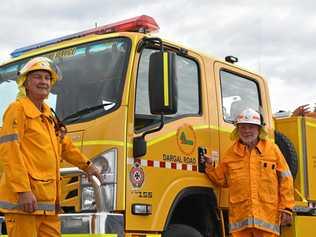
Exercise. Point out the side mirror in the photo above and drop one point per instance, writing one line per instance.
(163, 83)
(139, 146)
(162, 93)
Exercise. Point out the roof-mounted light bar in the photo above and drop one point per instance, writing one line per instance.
(142, 23)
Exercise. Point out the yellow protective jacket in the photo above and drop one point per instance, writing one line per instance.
(31, 152)
(260, 185)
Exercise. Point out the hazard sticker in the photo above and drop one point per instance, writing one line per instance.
(136, 176)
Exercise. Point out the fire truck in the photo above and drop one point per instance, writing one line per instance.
(144, 110)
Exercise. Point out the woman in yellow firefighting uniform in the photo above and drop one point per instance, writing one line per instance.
(260, 184)
(31, 148)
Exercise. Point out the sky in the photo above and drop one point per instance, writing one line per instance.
(274, 38)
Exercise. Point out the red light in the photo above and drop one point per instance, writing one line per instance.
(142, 23)
(137, 24)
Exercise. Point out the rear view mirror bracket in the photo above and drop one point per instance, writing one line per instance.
(140, 144)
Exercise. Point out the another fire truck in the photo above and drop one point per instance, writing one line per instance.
(144, 110)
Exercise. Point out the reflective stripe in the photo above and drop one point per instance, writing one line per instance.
(311, 124)
(254, 222)
(286, 173)
(165, 79)
(40, 206)
(149, 143)
(9, 138)
(99, 142)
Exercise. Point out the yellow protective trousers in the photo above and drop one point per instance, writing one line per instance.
(32, 225)
(253, 232)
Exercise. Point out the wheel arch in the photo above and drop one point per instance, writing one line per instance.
(203, 215)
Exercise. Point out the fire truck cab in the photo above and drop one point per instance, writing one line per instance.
(144, 110)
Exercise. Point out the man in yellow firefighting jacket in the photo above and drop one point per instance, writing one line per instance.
(260, 184)
(31, 148)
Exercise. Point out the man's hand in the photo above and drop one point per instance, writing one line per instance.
(27, 202)
(286, 219)
(301, 110)
(210, 160)
(93, 170)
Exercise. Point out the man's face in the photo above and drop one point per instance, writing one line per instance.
(248, 133)
(38, 84)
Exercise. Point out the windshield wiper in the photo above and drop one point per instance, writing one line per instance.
(77, 115)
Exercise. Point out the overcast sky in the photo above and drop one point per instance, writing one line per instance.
(273, 37)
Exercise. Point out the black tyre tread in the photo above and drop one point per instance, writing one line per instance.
(288, 150)
(180, 230)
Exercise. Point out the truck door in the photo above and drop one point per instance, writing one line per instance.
(171, 161)
(237, 90)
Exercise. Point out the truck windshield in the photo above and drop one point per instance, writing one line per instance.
(92, 74)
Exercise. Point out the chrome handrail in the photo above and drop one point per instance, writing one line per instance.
(98, 187)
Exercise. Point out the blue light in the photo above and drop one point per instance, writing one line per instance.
(22, 50)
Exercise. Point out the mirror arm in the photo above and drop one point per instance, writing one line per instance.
(139, 143)
(162, 123)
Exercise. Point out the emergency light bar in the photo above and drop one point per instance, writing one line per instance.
(141, 23)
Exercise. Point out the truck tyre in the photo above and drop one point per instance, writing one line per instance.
(288, 150)
(179, 230)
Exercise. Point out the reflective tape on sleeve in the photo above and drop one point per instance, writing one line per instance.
(286, 173)
(9, 138)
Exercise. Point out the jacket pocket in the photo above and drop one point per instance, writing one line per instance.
(238, 183)
(268, 185)
(43, 189)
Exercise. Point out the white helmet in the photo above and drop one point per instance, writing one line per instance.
(249, 116)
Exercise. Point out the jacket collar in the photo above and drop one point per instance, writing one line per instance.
(260, 146)
(31, 110)
(240, 149)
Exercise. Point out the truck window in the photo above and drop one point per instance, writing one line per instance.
(188, 90)
(93, 74)
(238, 93)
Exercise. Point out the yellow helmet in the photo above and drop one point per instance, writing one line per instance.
(38, 63)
